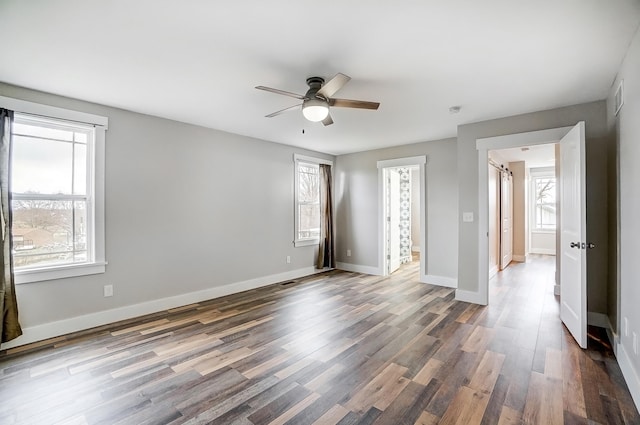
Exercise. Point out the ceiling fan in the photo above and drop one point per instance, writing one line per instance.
(316, 102)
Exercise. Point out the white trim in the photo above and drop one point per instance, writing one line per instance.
(356, 268)
(305, 158)
(59, 272)
(483, 146)
(402, 162)
(79, 323)
(543, 251)
(26, 107)
(629, 373)
(470, 297)
(449, 282)
(520, 258)
(598, 319)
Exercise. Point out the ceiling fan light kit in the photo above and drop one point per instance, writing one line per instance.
(315, 110)
(316, 102)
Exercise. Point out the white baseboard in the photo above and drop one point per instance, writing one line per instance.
(556, 289)
(415, 248)
(449, 282)
(520, 258)
(629, 373)
(543, 251)
(598, 319)
(356, 268)
(100, 318)
(470, 297)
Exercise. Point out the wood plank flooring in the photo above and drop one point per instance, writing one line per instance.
(335, 348)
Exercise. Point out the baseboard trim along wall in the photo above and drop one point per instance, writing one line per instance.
(470, 297)
(100, 318)
(520, 258)
(598, 319)
(629, 373)
(449, 282)
(356, 268)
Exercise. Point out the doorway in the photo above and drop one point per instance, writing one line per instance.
(402, 214)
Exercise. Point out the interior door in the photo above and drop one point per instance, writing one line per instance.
(506, 212)
(393, 219)
(573, 261)
(494, 220)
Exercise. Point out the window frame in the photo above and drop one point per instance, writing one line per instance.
(535, 175)
(95, 200)
(297, 160)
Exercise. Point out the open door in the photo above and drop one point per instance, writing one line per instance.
(573, 260)
(506, 213)
(393, 219)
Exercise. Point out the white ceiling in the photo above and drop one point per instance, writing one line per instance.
(533, 156)
(198, 61)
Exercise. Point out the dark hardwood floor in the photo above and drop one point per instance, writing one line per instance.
(335, 348)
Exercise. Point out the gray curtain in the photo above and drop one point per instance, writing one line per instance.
(9, 327)
(326, 253)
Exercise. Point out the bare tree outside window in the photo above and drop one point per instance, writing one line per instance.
(308, 201)
(545, 207)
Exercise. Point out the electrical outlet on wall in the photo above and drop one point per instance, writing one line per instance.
(348, 253)
(288, 259)
(108, 290)
(635, 343)
(625, 326)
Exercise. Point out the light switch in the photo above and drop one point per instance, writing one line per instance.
(467, 217)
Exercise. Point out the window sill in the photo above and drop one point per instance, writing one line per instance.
(543, 231)
(306, 242)
(59, 272)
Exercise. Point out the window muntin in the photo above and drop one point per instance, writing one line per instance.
(51, 188)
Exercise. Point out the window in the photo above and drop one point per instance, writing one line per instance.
(57, 189)
(544, 190)
(307, 200)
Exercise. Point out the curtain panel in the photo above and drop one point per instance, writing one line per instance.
(326, 251)
(9, 327)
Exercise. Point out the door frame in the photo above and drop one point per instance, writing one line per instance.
(483, 146)
(420, 162)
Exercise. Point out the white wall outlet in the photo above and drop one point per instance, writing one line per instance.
(635, 343)
(288, 259)
(467, 217)
(108, 290)
(625, 326)
(348, 253)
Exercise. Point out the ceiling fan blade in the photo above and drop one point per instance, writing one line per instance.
(333, 85)
(273, 114)
(328, 120)
(277, 91)
(348, 103)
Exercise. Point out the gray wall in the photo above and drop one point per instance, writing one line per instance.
(594, 115)
(357, 205)
(626, 126)
(187, 209)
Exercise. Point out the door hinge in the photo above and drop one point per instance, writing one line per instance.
(388, 257)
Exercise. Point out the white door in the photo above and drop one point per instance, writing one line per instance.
(393, 220)
(506, 211)
(494, 220)
(573, 260)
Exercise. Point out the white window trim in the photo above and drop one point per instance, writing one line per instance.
(100, 124)
(312, 160)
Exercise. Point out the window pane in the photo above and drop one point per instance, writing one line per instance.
(41, 130)
(309, 190)
(47, 232)
(41, 166)
(309, 221)
(80, 169)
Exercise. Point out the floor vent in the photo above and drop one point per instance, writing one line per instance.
(291, 282)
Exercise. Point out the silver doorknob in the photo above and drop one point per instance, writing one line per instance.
(591, 245)
(575, 245)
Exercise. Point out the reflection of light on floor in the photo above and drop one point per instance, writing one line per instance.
(312, 318)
